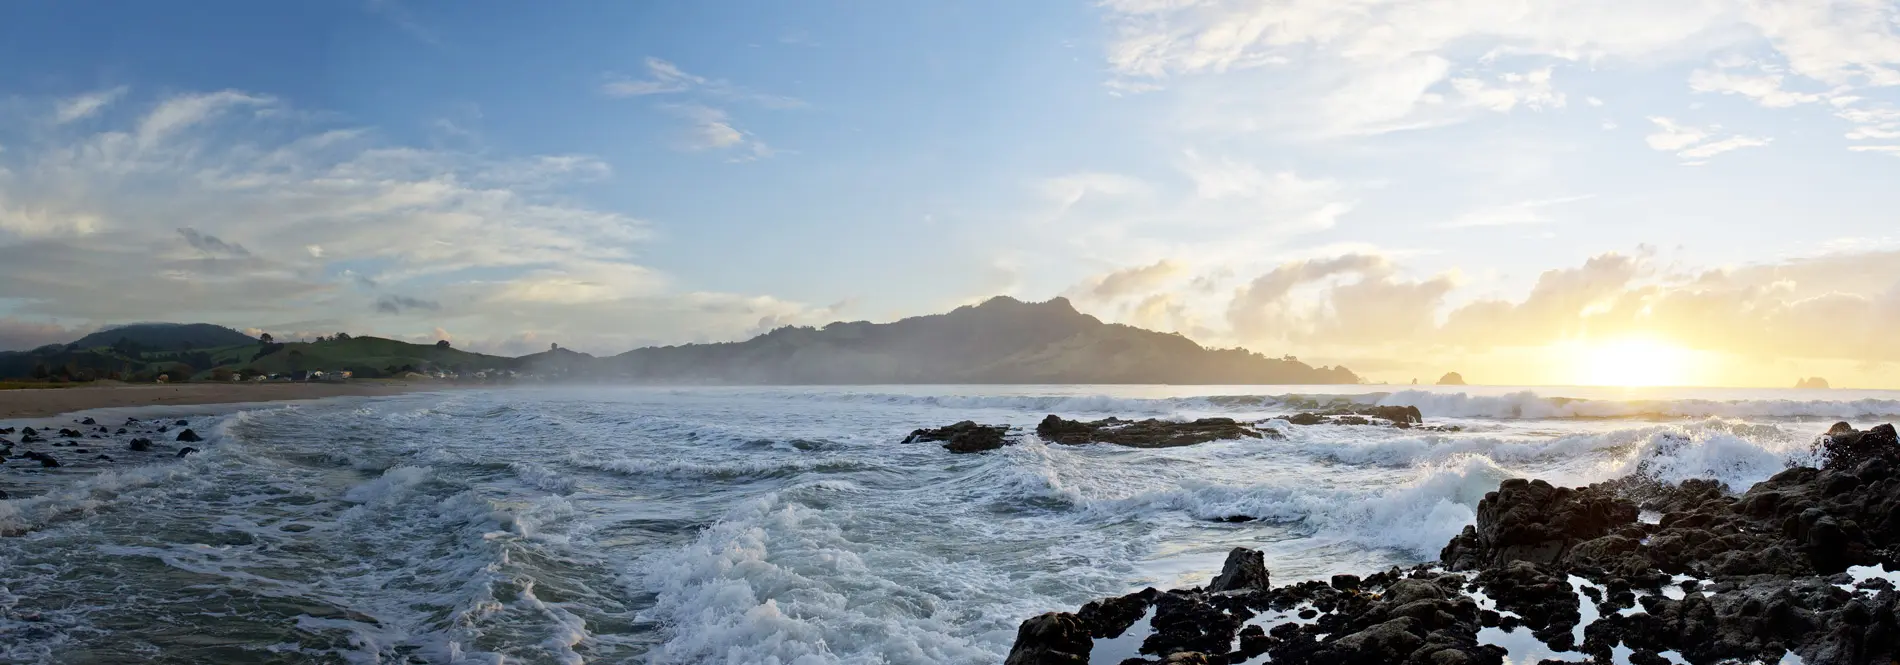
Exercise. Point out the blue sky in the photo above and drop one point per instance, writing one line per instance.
(1473, 181)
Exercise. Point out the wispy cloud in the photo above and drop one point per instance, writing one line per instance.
(86, 105)
(710, 128)
(665, 78)
(1695, 143)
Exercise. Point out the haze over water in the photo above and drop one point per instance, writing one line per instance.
(774, 525)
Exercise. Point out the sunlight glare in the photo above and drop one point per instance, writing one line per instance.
(1633, 362)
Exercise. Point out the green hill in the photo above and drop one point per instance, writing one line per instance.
(367, 357)
(166, 336)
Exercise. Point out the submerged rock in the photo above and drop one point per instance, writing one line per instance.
(1150, 433)
(187, 450)
(964, 437)
(140, 445)
(189, 436)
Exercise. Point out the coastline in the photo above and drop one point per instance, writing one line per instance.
(44, 402)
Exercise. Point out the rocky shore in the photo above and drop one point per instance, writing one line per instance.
(1628, 571)
(90, 445)
(970, 437)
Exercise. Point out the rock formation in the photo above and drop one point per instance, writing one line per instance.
(1717, 577)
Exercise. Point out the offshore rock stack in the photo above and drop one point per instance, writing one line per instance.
(1690, 570)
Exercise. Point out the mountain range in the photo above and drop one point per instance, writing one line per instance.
(1001, 341)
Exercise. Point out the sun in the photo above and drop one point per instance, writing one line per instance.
(1633, 361)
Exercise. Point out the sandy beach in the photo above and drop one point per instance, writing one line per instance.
(36, 403)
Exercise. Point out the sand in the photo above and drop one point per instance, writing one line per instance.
(38, 403)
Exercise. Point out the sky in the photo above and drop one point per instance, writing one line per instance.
(1519, 191)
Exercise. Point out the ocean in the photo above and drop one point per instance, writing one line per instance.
(773, 525)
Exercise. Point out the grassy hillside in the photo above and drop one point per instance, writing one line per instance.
(367, 357)
(166, 337)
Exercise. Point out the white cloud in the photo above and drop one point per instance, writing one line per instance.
(1766, 88)
(84, 106)
(1694, 143)
(194, 212)
(1713, 148)
(1531, 90)
(1382, 65)
(665, 78)
(182, 111)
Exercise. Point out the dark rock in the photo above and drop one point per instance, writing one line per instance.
(120, 431)
(3, 493)
(29, 432)
(102, 456)
(1531, 520)
(964, 437)
(1244, 570)
(89, 421)
(1844, 448)
(181, 423)
(44, 459)
(140, 445)
(1150, 433)
(1055, 638)
(187, 450)
(1110, 617)
(189, 436)
(1187, 622)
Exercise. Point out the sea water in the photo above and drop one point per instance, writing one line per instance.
(773, 525)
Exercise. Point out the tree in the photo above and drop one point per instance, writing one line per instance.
(40, 371)
(442, 344)
(341, 337)
(266, 338)
(553, 347)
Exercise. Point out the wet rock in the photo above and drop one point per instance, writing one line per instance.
(1185, 621)
(102, 457)
(120, 431)
(1150, 433)
(140, 445)
(88, 421)
(189, 436)
(29, 432)
(3, 493)
(1244, 570)
(45, 460)
(964, 437)
(1110, 617)
(1055, 638)
(181, 423)
(1531, 520)
(1844, 447)
(187, 450)
(1361, 414)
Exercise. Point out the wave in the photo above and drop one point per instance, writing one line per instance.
(764, 467)
(1448, 478)
(1512, 406)
(1530, 405)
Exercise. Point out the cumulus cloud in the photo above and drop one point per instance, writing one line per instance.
(1320, 68)
(197, 208)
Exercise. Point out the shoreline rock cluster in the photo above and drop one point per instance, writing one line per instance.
(90, 443)
(969, 436)
(1691, 571)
